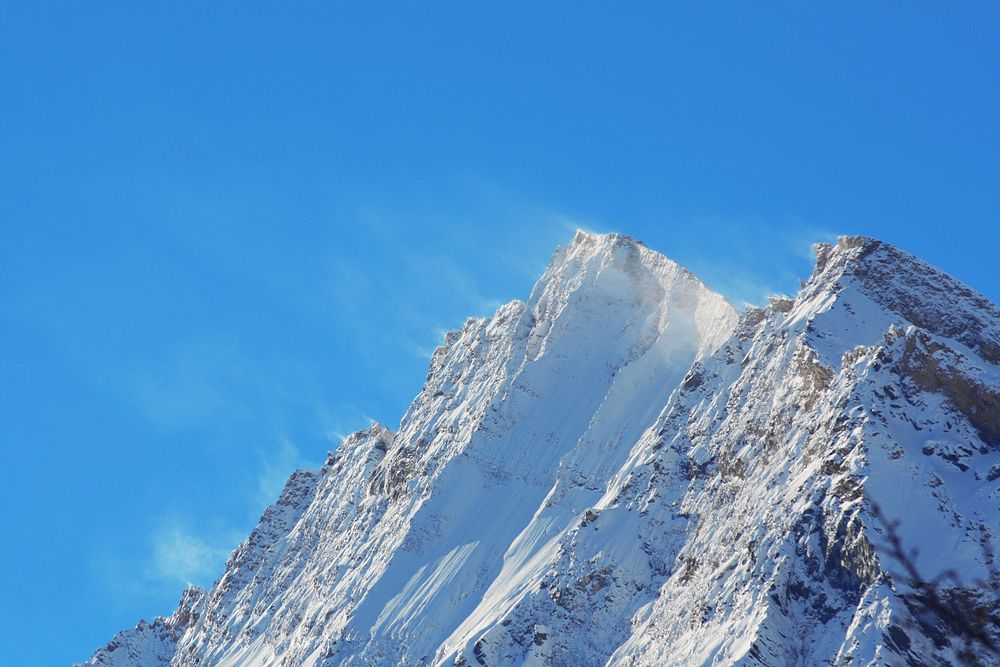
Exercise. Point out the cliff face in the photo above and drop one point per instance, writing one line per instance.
(622, 470)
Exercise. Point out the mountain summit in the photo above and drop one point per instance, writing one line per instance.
(624, 470)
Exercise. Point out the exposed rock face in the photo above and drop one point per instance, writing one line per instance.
(622, 471)
(152, 643)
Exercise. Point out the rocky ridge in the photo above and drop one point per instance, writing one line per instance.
(623, 470)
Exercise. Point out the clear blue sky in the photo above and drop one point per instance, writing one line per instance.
(232, 232)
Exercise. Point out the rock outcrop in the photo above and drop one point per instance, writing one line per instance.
(623, 470)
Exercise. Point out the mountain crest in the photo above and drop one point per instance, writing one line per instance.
(916, 291)
(619, 470)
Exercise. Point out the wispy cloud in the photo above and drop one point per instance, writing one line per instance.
(276, 464)
(748, 260)
(213, 392)
(193, 383)
(423, 285)
(181, 555)
(338, 424)
(213, 383)
(570, 224)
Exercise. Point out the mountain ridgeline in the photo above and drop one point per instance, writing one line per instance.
(625, 470)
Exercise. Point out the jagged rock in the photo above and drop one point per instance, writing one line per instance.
(622, 471)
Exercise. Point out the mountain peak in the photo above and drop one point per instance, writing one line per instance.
(848, 250)
(614, 472)
(598, 275)
(584, 237)
(610, 248)
(911, 288)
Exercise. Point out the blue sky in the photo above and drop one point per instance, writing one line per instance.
(232, 233)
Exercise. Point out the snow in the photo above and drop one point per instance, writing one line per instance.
(622, 470)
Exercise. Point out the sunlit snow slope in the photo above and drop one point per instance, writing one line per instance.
(623, 471)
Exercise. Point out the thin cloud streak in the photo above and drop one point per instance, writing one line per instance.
(742, 259)
(276, 464)
(425, 288)
(180, 555)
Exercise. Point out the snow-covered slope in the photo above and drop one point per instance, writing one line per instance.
(152, 643)
(623, 471)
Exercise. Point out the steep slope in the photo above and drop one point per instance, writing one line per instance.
(620, 472)
(381, 555)
(152, 643)
(741, 530)
(858, 393)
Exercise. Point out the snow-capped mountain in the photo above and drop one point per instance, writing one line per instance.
(624, 470)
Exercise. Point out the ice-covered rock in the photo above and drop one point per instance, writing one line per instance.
(155, 642)
(623, 471)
